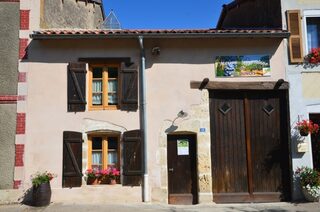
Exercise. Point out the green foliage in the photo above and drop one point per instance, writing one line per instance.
(308, 176)
(40, 178)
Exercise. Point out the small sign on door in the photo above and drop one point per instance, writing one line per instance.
(183, 146)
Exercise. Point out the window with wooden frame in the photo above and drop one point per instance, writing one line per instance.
(103, 86)
(103, 151)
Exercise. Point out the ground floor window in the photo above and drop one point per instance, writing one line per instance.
(103, 152)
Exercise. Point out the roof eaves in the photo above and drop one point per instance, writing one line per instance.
(282, 34)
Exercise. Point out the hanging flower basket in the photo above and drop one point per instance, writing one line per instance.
(303, 133)
(306, 126)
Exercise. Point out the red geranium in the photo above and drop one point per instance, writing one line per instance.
(307, 126)
(314, 56)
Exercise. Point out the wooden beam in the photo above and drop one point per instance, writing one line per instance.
(264, 85)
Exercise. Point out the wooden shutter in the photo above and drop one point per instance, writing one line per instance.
(76, 87)
(295, 39)
(129, 87)
(132, 158)
(72, 159)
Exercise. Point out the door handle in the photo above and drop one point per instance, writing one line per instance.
(170, 169)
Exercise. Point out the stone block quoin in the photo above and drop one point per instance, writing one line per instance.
(21, 123)
(22, 77)
(24, 19)
(23, 48)
(19, 155)
(16, 184)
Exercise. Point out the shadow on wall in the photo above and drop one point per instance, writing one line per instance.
(182, 51)
(295, 140)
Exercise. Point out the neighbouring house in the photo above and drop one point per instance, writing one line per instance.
(9, 52)
(188, 116)
(302, 19)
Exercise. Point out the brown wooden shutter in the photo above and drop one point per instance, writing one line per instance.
(72, 159)
(132, 158)
(76, 87)
(295, 39)
(129, 87)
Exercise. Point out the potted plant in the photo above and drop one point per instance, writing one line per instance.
(113, 175)
(104, 176)
(306, 126)
(310, 183)
(92, 176)
(41, 190)
(313, 57)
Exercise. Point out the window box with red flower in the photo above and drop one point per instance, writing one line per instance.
(313, 57)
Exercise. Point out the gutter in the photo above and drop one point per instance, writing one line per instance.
(143, 121)
(159, 35)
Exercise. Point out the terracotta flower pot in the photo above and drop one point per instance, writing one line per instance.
(104, 180)
(113, 181)
(92, 181)
(41, 195)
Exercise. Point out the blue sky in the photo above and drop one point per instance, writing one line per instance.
(166, 14)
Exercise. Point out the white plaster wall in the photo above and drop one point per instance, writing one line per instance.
(299, 104)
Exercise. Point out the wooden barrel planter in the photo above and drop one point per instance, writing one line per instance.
(41, 195)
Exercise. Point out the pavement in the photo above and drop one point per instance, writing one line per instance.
(147, 207)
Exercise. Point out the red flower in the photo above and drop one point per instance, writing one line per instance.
(314, 56)
(308, 126)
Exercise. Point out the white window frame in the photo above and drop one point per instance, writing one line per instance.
(308, 14)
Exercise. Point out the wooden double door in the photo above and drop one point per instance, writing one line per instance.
(249, 146)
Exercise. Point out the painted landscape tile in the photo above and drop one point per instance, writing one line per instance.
(243, 66)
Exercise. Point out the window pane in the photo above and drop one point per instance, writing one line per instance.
(313, 32)
(113, 72)
(97, 157)
(96, 143)
(112, 85)
(97, 86)
(112, 157)
(97, 99)
(112, 143)
(112, 99)
(97, 72)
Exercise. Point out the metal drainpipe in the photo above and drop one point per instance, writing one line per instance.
(143, 121)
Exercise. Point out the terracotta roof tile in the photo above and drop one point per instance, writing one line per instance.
(162, 32)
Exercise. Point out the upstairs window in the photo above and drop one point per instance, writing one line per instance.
(110, 86)
(103, 87)
(313, 32)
